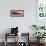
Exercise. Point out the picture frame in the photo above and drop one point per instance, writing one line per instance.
(17, 13)
(41, 8)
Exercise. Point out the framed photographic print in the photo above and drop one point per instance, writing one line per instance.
(41, 8)
(17, 13)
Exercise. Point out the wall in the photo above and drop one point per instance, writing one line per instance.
(24, 23)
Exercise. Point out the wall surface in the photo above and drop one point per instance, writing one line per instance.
(24, 23)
